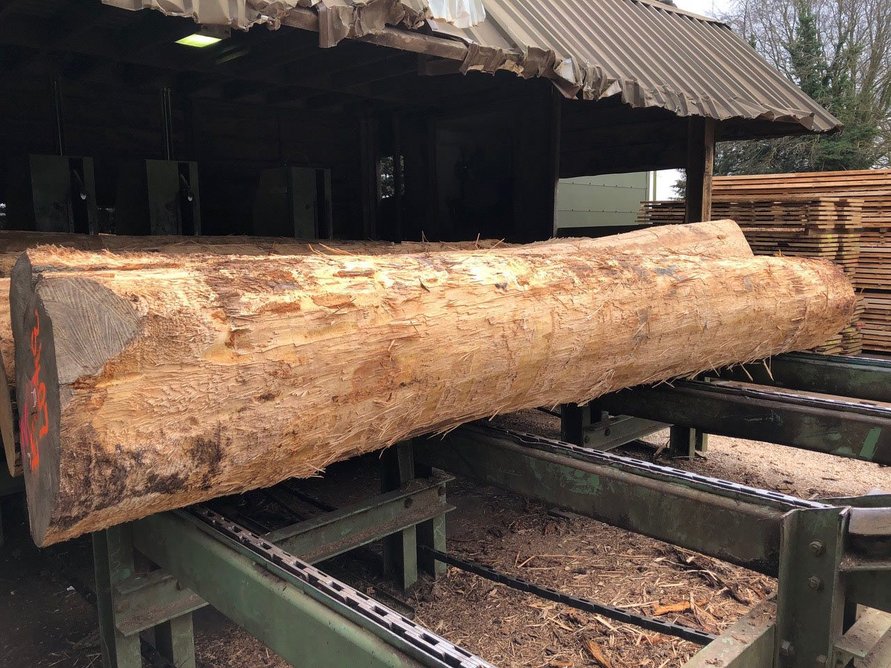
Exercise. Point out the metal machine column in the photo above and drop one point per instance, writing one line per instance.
(113, 563)
(130, 603)
(400, 555)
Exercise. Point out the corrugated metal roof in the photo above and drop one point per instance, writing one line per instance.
(647, 53)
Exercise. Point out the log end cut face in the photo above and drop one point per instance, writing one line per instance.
(71, 327)
(38, 401)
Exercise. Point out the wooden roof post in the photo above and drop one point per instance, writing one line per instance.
(700, 166)
(556, 112)
(368, 174)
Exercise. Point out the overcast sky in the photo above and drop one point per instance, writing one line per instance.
(707, 7)
(666, 178)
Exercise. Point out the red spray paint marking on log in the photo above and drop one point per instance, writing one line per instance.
(34, 420)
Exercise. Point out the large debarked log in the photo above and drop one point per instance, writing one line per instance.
(13, 243)
(153, 388)
(721, 238)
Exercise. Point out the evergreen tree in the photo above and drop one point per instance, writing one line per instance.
(839, 53)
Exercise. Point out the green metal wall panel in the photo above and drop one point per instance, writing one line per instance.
(609, 199)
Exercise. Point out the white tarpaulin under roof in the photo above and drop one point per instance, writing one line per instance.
(245, 13)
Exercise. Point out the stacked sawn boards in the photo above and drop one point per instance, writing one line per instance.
(872, 188)
(842, 216)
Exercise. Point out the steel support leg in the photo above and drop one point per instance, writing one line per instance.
(113, 563)
(281, 610)
(175, 641)
(748, 643)
(685, 442)
(811, 594)
(400, 550)
(572, 423)
(432, 534)
(129, 604)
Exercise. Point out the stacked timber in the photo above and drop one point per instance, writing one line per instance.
(877, 320)
(828, 228)
(150, 382)
(712, 238)
(873, 188)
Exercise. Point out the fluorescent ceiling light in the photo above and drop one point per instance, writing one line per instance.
(205, 36)
(198, 40)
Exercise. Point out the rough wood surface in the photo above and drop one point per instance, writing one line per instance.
(721, 237)
(191, 377)
(827, 228)
(12, 243)
(862, 247)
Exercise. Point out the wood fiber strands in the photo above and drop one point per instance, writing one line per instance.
(717, 238)
(153, 388)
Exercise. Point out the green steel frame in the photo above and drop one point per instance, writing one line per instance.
(594, 428)
(183, 569)
(859, 430)
(827, 557)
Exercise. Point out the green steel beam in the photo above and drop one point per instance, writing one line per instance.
(347, 528)
(610, 432)
(859, 432)
(175, 641)
(867, 642)
(400, 549)
(156, 599)
(869, 588)
(143, 601)
(804, 545)
(432, 533)
(598, 430)
(299, 628)
(659, 508)
(856, 377)
(589, 426)
(749, 643)
(686, 442)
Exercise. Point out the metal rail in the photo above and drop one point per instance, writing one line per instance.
(398, 631)
(855, 428)
(650, 469)
(857, 377)
(826, 555)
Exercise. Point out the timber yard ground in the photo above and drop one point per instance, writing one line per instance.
(48, 616)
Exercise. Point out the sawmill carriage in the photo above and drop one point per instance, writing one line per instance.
(391, 122)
